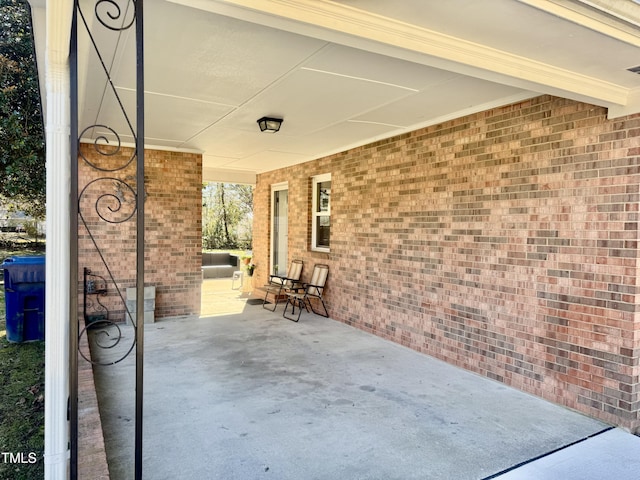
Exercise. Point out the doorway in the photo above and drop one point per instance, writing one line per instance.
(279, 228)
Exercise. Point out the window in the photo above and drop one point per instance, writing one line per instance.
(321, 221)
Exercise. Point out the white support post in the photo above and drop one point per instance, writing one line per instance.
(57, 281)
(56, 103)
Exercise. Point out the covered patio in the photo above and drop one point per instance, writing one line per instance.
(472, 184)
(247, 394)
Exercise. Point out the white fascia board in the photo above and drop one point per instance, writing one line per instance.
(350, 26)
(631, 107)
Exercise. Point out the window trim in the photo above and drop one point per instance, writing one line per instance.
(317, 179)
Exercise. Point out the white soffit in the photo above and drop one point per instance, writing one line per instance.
(373, 30)
(344, 73)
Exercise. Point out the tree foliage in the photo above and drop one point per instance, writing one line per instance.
(22, 151)
(227, 216)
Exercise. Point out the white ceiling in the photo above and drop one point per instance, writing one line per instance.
(345, 73)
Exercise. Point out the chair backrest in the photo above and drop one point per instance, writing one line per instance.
(295, 271)
(318, 279)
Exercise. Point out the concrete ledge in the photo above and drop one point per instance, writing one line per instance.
(92, 456)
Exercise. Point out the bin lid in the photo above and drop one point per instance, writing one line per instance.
(24, 269)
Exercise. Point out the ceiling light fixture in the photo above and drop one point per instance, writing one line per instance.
(269, 125)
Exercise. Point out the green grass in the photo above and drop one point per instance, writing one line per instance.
(21, 400)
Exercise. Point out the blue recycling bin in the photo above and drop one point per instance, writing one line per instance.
(24, 298)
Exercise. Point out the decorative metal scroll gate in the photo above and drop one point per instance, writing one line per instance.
(113, 197)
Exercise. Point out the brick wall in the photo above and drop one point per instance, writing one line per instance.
(504, 242)
(173, 225)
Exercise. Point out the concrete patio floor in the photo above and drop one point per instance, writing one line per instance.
(247, 394)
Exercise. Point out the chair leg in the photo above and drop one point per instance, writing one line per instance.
(324, 307)
(292, 301)
(286, 306)
(275, 300)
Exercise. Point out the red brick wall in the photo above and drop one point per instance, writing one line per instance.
(505, 242)
(173, 226)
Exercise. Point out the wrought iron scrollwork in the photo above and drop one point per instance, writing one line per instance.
(106, 149)
(109, 13)
(108, 199)
(109, 205)
(107, 333)
(113, 203)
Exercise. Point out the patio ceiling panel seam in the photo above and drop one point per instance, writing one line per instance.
(297, 67)
(462, 54)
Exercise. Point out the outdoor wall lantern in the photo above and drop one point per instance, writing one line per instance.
(269, 125)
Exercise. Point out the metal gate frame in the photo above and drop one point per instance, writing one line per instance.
(112, 16)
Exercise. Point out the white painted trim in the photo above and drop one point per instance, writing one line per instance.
(147, 146)
(57, 289)
(631, 107)
(276, 187)
(211, 174)
(344, 24)
(608, 18)
(280, 186)
(325, 177)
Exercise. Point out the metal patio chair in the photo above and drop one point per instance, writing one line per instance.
(278, 284)
(307, 294)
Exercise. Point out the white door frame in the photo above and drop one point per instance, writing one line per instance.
(277, 187)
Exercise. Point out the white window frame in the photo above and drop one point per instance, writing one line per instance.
(315, 213)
